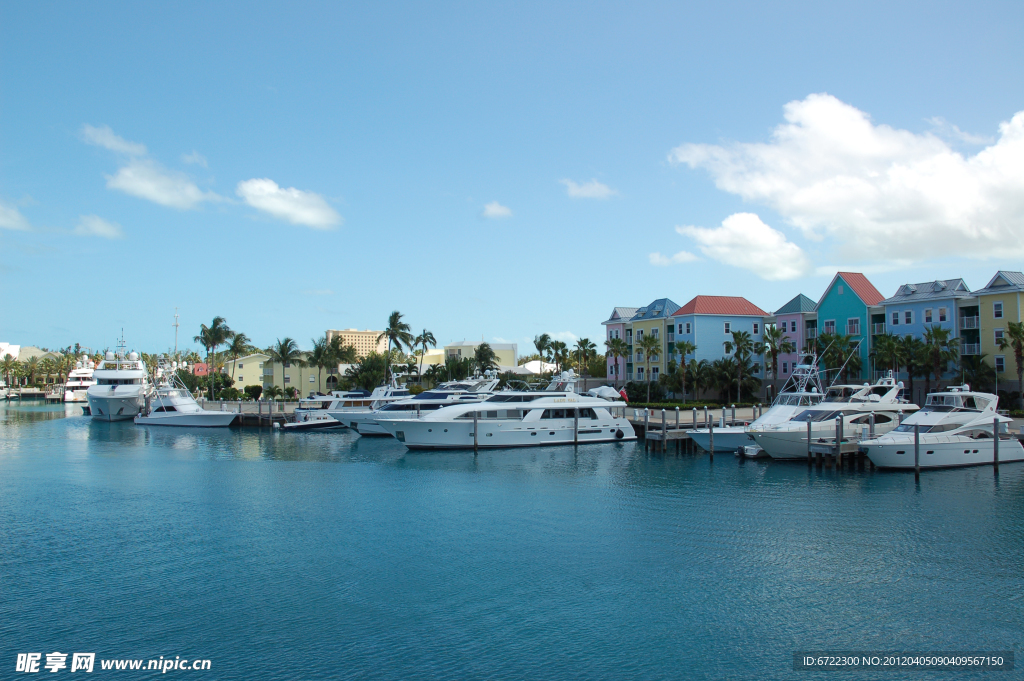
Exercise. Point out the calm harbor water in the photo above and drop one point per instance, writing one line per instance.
(329, 556)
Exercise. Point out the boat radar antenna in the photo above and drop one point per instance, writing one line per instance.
(175, 325)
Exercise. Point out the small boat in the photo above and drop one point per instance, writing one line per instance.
(308, 422)
(172, 404)
(341, 404)
(955, 427)
(455, 392)
(80, 379)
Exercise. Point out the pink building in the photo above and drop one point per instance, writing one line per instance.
(799, 321)
(615, 327)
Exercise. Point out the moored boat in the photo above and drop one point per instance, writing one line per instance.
(122, 386)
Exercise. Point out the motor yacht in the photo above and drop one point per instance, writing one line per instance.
(955, 428)
(803, 389)
(512, 418)
(879, 406)
(455, 392)
(341, 404)
(80, 379)
(171, 404)
(122, 386)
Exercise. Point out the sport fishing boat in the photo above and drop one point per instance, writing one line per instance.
(446, 394)
(879, 407)
(956, 427)
(171, 404)
(802, 390)
(341, 404)
(80, 379)
(557, 415)
(122, 386)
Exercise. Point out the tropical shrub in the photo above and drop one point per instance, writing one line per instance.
(253, 392)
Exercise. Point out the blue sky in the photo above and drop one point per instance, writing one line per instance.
(491, 170)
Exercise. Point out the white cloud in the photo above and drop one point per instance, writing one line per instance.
(11, 218)
(105, 137)
(666, 260)
(946, 130)
(588, 190)
(195, 158)
(93, 225)
(288, 203)
(879, 192)
(149, 180)
(567, 337)
(744, 241)
(495, 210)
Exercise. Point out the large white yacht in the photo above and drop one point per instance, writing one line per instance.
(455, 392)
(956, 429)
(171, 404)
(341, 404)
(556, 415)
(80, 379)
(855, 403)
(122, 385)
(803, 389)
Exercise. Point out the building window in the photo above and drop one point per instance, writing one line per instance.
(639, 356)
(241, 378)
(654, 358)
(654, 373)
(895, 318)
(654, 333)
(792, 326)
(998, 335)
(287, 378)
(616, 332)
(942, 314)
(240, 365)
(928, 316)
(829, 326)
(728, 327)
(840, 289)
(261, 365)
(1000, 363)
(312, 379)
(680, 330)
(640, 374)
(853, 326)
(687, 327)
(785, 367)
(757, 328)
(639, 335)
(629, 336)
(997, 310)
(908, 316)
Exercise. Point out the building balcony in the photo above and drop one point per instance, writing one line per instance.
(970, 349)
(878, 328)
(811, 332)
(853, 329)
(970, 322)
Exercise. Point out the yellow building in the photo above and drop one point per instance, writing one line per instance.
(246, 370)
(999, 303)
(364, 342)
(306, 379)
(653, 320)
(507, 354)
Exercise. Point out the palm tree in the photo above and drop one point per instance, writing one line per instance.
(285, 351)
(272, 392)
(8, 366)
(559, 354)
(941, 351)
(741, 346)
(585, 350)
(649, 345)
(543, 345)
(239, 347)
(320, 357)
(911, 356)
(397, 332)
(776, 343)
(423, 340)
(700, 375)
(1014, 338)
(617, 348)
(885, 351)
(975, 372)
(341, 353)
(684, 348)
(31, 366)
(720, 375)
(211, 337)
(48, 367)
(484, 357)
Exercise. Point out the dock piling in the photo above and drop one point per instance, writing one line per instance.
(809, 458)
(476, 430)
(917, 451)
(711, 436)
(575, 426)
(647, 425)
(995, 443)
(732, 416)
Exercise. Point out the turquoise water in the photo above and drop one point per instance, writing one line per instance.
(328, 556)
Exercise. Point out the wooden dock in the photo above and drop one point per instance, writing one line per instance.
(660, 427)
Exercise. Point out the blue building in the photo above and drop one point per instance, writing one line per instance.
(708, 323)
(844, 309)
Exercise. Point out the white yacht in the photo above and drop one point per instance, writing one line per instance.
(80, 380)
(171, 404)
(956, 429)
(446, 394)
(342, 404)
(858, 405)
(122, 386)
(556, 415)
(802, 390)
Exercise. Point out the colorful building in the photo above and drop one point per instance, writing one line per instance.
(798, 322)
(844, 309)
(999, 303)
(653, 320)
(506, 354)
(615, 327)
(709, 322)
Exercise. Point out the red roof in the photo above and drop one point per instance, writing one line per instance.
(864, 289)
(724, 305)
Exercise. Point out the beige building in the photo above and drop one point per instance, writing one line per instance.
(302, 378)
(507, 353)
(246, 370)
(364, 342)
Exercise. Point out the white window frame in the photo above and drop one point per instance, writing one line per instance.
(908, 316)
(850, 322)
(785, 367)
(654, 373)
(943, 314)
(998, 335)
(757, 327)
(895, 318)
(287, 378)
(997, 310)
(1000, 363)
(654, 334)
(728, 327)
(639, 335)
(241, 378)
(687, 328)
(829, 323)
(927, 315)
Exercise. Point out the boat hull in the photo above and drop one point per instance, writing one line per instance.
(116, 406)
(204, 419)
(79, 395)
(951, 452)
(726, 439)
(417, 434)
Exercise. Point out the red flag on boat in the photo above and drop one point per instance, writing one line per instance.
(624, 397)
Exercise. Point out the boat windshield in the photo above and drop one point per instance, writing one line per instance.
(432, 395)
(842, 394)
(515, 398)
(815, 415)
(937, 428)
(799, 399)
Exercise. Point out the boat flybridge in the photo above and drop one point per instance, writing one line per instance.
(513, 418)
(454, 392)
(955, 427)
(880, 404)
(803, 389)
(122, 386)
(80, 379)
(341, 404)
(171, 404)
